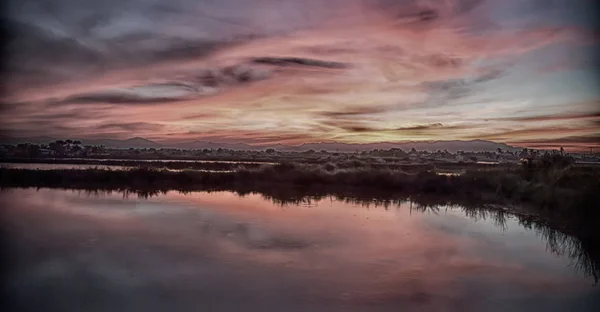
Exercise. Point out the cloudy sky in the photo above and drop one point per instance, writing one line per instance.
(291, 71)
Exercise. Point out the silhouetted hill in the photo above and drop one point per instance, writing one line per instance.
(213, 145)
(451, 146)
(137, 142)
(32, 140)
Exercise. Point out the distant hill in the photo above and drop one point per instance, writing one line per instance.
(451, 146)
(213, 145)
(137, 142)
(33, 140)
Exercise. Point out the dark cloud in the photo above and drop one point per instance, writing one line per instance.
(202, 83)
(34, 56)
(39, 57)
(199, 116)
(33, 62)
(327, 49)
(431, 129)
(447, 91)
(30, 45)
(423, 129)
(441, 61)
(188, 49)
(512, 135)
(230, 75)
(404, 10)
(53, 117)
(589, 139)
(583, 116)
(415, 12)
(9, 107)
(289, 61)
(56, 41)
(49, 42)
(466, 6)
(131, 126)
(115, 98)
(428, 15)
(353, 112)
(360, 129)
(490, 75)
(103, 35)
(56, 127)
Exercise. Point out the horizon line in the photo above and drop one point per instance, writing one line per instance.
(162, 143)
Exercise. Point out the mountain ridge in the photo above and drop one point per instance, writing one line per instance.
(139, 142)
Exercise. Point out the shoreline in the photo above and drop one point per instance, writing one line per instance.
(564, 199)
(227, 164)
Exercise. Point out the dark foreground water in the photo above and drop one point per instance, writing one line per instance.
(72, 251)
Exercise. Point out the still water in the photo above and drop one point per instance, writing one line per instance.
(40, 166)
(36, 166)
(78, 251)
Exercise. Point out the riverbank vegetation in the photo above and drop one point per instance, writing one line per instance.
(554, 190)
(547, 193)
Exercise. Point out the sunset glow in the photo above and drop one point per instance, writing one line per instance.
(292, 72)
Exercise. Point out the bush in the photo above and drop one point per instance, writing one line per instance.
(330, 167)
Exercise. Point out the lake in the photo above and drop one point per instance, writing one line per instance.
(94, 251)
(41, 166)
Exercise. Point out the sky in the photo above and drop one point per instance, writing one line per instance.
(264, 72)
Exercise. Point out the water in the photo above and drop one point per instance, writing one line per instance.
(449, 174)
(78, 251)
(36, 166)
(128, 164)
(169, 160)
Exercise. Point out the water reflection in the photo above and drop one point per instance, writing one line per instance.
(584, 253)
(226, 251)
